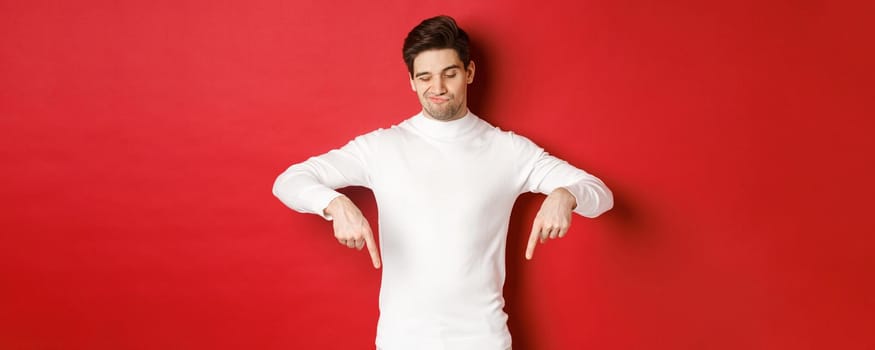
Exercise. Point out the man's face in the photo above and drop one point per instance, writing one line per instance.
(441, 83)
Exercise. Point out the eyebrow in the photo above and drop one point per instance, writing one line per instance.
(442, 70)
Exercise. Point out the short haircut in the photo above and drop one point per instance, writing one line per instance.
(436, 33)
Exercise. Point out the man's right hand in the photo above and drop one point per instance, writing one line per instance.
(351, 228)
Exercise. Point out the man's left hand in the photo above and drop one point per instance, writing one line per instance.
(553, 219)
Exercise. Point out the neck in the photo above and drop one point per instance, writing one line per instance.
(444, 129)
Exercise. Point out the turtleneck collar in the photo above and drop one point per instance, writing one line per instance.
(444, 129)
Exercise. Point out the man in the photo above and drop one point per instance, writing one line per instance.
(445, 182)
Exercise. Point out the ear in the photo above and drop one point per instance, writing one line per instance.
(470, 72)
(412, 84)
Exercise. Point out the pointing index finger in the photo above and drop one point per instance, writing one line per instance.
(533, 241)
(372, 248)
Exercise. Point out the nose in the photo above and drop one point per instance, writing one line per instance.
(438, 86)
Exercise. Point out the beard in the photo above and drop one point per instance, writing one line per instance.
(445, 111)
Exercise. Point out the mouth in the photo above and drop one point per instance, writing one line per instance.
(438, 100)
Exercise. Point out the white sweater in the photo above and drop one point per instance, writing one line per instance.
(444, 193)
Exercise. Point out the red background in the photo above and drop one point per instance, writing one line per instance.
(139, 142)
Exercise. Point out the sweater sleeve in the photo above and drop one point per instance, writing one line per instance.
(309, 186)
(548, 173)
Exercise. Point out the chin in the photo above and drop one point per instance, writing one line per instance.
(442, 114)
(437, 114)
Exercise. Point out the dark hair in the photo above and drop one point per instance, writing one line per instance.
(439, 32)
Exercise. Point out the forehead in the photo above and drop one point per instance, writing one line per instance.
(434, 61)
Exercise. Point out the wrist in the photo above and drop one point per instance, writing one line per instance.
(566, 197)
(335, 206)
